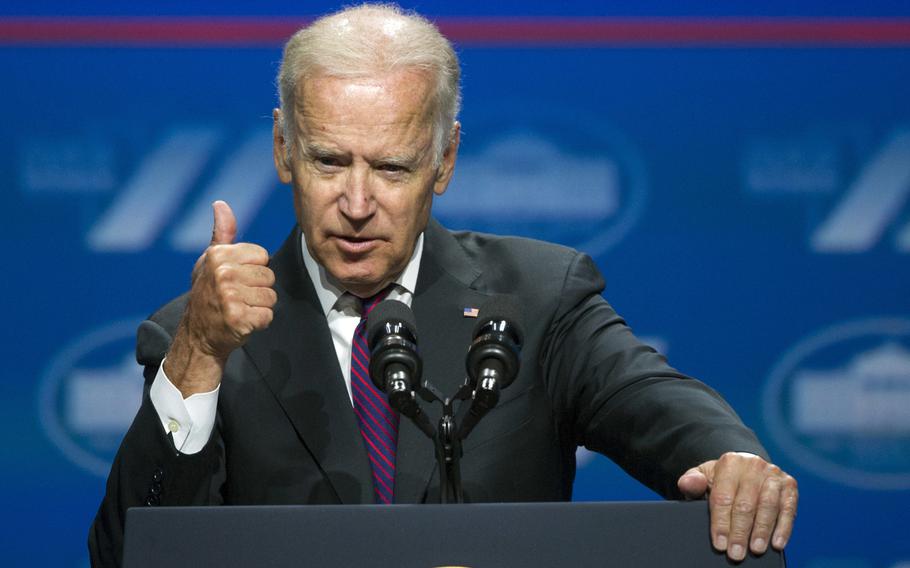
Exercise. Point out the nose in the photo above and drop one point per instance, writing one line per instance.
(357, 201)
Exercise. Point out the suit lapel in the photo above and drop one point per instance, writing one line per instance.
(296, 358)
(443, 291)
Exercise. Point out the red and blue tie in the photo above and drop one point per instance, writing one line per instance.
(378, 422)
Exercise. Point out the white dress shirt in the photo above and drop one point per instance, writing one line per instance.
(191, 420)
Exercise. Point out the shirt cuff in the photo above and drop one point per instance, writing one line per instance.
(189, 420)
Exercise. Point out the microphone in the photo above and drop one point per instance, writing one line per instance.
(395, 366)
(493, 358)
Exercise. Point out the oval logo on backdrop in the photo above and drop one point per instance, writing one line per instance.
(839, 403)
(90, 393)
(568, 179)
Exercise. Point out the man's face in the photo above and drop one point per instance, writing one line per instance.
(363, 172)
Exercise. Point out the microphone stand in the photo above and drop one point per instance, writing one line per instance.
(446, 439)
(493, 356)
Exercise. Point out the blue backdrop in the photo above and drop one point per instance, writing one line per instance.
(740, 173)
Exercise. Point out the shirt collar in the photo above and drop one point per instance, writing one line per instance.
(328, 290)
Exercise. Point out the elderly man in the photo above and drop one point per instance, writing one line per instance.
(261, 399)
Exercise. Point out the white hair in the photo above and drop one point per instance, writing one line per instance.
(366, 40)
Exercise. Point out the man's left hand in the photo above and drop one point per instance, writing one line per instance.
(752, 502)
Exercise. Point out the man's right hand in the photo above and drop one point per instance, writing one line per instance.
(230, 298)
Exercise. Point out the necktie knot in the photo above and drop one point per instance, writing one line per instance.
(368, 304)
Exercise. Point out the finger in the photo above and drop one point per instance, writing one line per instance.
(253, 275)
(231, 274)
(260, 318)
(253, 296)
(720, 501)
(242, 320)
(745, 505)
(224, 227)
(789, 498)
(693, 484)
(242, 253)
(766, 515)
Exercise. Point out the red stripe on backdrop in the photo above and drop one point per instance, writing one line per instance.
(605, 32)
(684, 31)
(151, 32)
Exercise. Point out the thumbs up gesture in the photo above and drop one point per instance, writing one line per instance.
(230, 298)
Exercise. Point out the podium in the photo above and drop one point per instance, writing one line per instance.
(626, 534)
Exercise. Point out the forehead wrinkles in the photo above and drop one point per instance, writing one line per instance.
(338, 105)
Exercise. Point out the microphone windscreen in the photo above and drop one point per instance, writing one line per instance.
(389, 311)
(500, 308)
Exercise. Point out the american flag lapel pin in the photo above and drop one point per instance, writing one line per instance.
(471, 312)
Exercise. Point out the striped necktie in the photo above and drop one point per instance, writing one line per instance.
(378, 422)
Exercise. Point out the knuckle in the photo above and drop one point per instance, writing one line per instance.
(762, 527)
(255, 298)
(768, 500)
(226, 297)
(259, 318)
(215, 254)
(744, 507)
(721, 499)
(772, 485)
(232, 315)
(227, 293)
(222, 272)
(756, 464)
(741, 526)
(789, 506)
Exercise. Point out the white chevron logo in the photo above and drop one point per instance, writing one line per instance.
(872, 203)
(158, 189)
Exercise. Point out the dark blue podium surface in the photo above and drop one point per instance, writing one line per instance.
(478, 536)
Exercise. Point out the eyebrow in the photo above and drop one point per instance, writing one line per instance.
(312, 149)
(315, 150)
(405, 160)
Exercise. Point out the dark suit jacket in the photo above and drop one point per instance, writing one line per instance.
(286, 432)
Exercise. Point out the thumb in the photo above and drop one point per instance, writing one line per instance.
(694, 483)
(224, 228)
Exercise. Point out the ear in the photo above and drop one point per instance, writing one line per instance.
(447, 167)
(280, 148)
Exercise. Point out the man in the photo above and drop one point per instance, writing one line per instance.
(259, 399)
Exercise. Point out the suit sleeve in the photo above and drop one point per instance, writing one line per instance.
(148, 470)
(620, 398)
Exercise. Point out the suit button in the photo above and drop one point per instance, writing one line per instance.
(152, 501)
(155, 489)
(158, 475)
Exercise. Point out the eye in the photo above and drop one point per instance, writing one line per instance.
(328, 161)
(393, 168)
